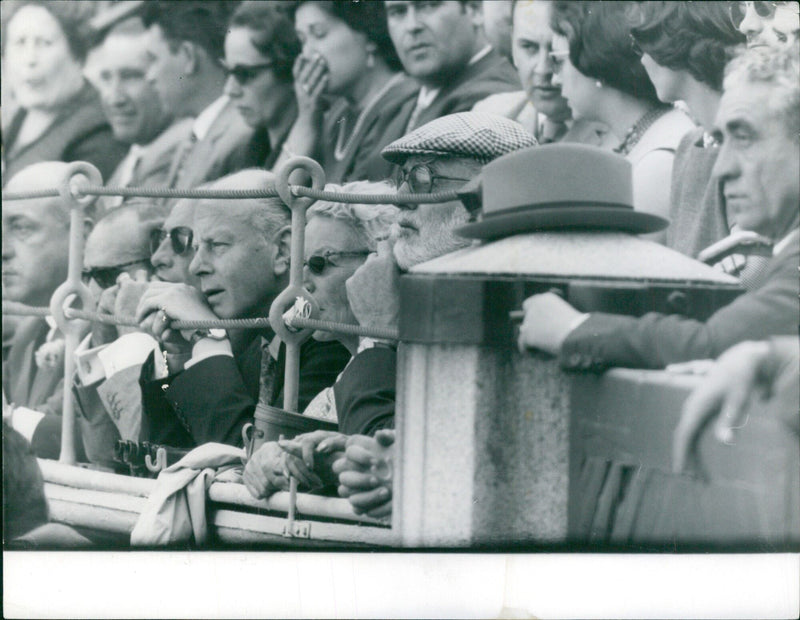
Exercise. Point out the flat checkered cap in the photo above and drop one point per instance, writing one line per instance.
(477, 135)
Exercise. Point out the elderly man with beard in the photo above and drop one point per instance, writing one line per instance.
(205, 386)
(440, 156)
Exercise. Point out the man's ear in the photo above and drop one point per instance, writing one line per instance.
(282, 244)
(188, 55)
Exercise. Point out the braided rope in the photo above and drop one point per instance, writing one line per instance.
(18, 309)
(344, 328)
(243, 194)
(40, 193)
(299, 190)
(168, 192)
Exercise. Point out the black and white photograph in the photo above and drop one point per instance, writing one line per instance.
(401, 308)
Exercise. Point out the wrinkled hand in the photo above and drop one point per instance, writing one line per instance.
(129, 293)
(265, 472)
(163, 302)
(366, 473)
(313, 473)
(725, 394)
(373, 291)
(547, 323)
(311, 78)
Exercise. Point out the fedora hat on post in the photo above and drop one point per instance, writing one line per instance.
(553, 187)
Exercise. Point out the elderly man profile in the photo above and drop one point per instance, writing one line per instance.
(443, 46)
(757, 128)
(206, 385)
(35, 257)
(439, 156)
(540, 107)
(134, 111)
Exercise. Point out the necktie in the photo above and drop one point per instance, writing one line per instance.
(269, 370)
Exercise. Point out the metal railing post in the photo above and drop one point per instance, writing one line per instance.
(72, 197)
(293, 340)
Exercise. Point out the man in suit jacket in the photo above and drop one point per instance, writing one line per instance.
(134, 111)
(206, 386)
(758, 128)
(35, 255)
(184, 43)
(442, 45)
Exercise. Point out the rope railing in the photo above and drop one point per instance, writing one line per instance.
(17, 309)
(241, 194)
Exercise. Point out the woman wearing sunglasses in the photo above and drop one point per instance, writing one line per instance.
(339, 237)
(602, 77)
(767, 23)
(349, 85)
(685, 47)
(260, 50)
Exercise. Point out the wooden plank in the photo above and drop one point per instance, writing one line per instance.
(91, 479)
(244, 527)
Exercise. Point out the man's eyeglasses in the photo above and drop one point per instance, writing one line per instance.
(106, 277)
(420, 178)
(316, 264)
(244, 74)
(180, 238)
(738, 10)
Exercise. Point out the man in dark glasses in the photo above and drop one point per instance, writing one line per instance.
(772, 23)
(171, 246)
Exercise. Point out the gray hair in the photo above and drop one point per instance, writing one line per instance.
(267, 215)
(778, 68)
(369, 222)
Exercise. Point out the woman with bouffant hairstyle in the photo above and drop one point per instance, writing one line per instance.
(685, 47)
(602, 77)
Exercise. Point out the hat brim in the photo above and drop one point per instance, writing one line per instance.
(555, 218)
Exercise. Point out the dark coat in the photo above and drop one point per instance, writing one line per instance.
(655, 340)
(80, 132)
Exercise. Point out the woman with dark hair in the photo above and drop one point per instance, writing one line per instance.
(59, 117)
(260, 50)
(602, 77)
(349, 64)
(685, 47)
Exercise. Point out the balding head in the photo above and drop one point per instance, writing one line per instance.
(35, 236)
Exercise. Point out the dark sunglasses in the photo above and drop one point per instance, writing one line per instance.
(738, 10)
(316, 264)
(180, 238)
(420, 178)
(244, 74)
(106, 277)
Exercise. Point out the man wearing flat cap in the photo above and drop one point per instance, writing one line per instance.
(440, 156)
(759, 156)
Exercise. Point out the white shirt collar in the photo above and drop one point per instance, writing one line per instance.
(778, 247)
(207, 117)
(483, 52)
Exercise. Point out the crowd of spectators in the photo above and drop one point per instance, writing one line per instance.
(701, 98)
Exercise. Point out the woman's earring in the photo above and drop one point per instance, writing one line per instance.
(370, 60)
(599, 84)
